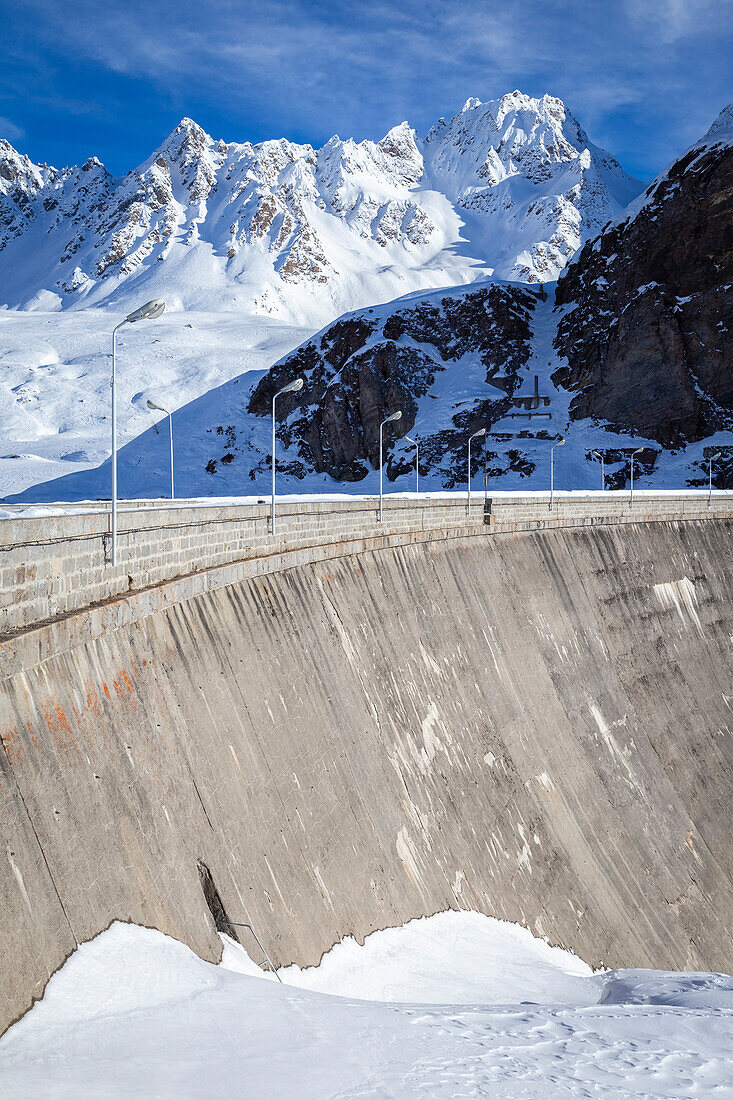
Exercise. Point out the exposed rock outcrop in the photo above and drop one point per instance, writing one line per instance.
(645, 308)
(366, 366)
(641, 338)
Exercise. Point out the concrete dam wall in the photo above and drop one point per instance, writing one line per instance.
(536, 725)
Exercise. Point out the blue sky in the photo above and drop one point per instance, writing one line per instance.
(644, 77)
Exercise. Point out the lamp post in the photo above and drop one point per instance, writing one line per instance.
(711, 459)
(559, 443)
(417, 453)
(603, 469)
(633, 453)
(389, 419)
(292, 387)
(481, 431)
(148, 312)
(159, 408)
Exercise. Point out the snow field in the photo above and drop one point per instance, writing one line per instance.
(455, 1005)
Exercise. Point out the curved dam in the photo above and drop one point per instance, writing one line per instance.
(526, 713)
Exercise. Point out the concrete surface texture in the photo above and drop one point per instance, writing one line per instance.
(536, 725)
(58, 561)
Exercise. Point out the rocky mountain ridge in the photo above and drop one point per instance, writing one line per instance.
(645, 308)
(629, 351)
(509, 187)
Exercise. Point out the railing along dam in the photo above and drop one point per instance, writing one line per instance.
(523, 711)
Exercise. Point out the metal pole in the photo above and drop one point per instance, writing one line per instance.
(387, 420)
(559, 443)
(710, 474)
(170, 425)
(272, 508)
(468, 482)
(381, 426)
(417, 461)
(552, 475)
(114, 441)
(480, 432)
(633, 453)
(149, 311)
(239, 924)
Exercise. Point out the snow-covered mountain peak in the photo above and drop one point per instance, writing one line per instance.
(514, 135)
(509, 186)
(19, 174)
(721, 129)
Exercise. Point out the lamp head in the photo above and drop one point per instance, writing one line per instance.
(411, 440)
(560, 443)
(637, 451)
(156, 407)
(292, 387)
(394, 416)
(148, 312)
(481, 431)
(718, 455)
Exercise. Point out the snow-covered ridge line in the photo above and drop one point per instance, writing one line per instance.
(509, 187)
(718, 135)
(443, 1004)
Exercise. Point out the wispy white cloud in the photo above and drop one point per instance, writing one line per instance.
(9, 130)
(308, 68)
(672, 20)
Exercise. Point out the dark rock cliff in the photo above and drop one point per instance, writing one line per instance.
(370, 364)
(646, 308)
(641, 338)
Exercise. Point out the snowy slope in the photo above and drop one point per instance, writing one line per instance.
(512, 186)
(55, 375)
(486, 1010)
(453, 378)
(454, 359)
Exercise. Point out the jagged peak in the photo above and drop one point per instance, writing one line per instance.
(195, 138)
(398, 130)
(18, 169)
(722, 128)
(188, 126)
(9, 152)
(548, 107)
(398, 140)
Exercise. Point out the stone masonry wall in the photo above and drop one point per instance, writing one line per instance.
(54, 564)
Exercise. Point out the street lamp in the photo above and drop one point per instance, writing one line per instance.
(636, 452)
(603, 469)
(417, 453)
(159, 408)
(710, 474)
(481, 431)
(292, 387)
(389, 419)
(560, 443)
(148, 312)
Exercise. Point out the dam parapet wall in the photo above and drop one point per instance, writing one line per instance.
(57, 562)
